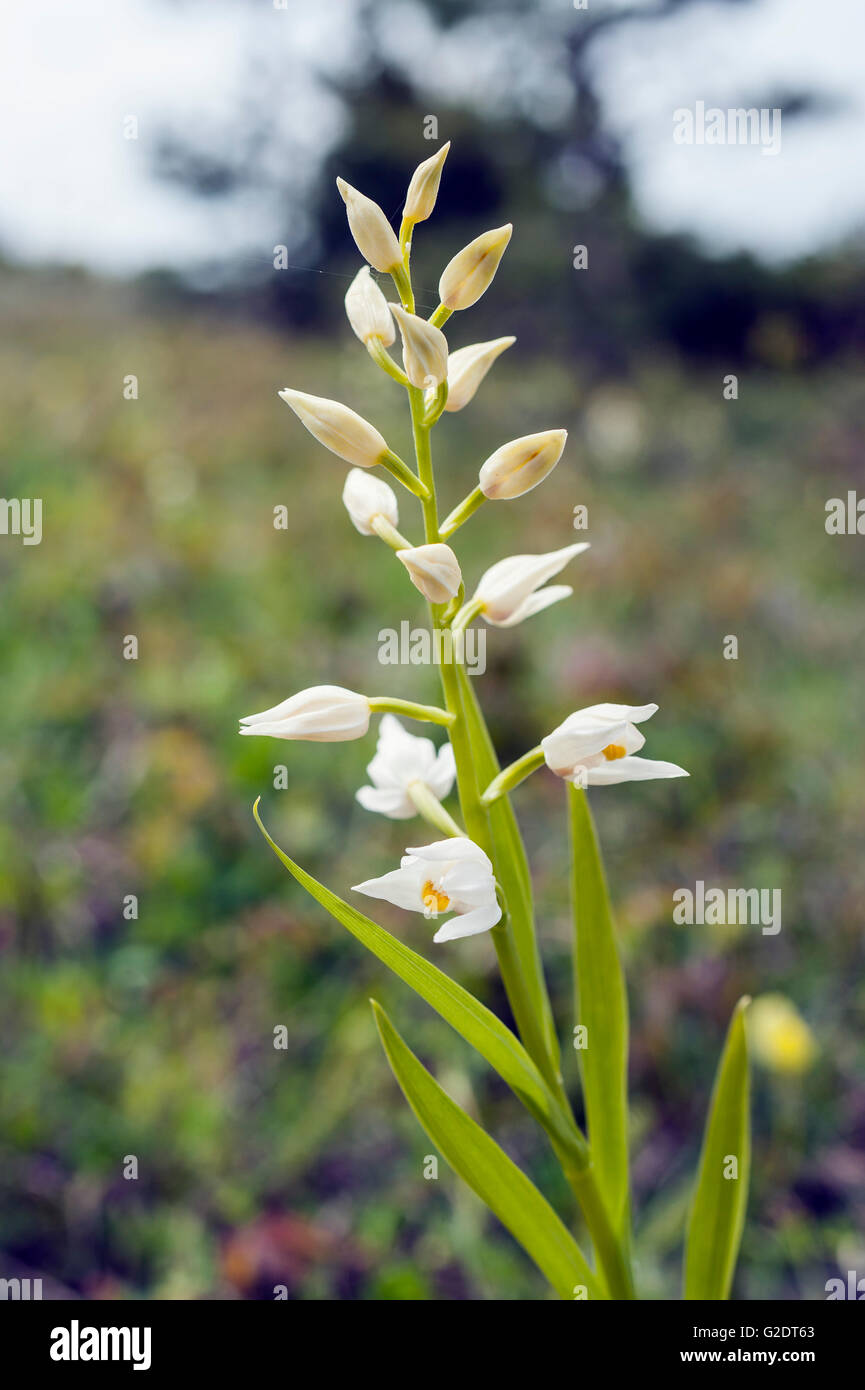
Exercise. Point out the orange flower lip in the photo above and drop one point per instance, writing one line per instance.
(433, 900)
(613, 751)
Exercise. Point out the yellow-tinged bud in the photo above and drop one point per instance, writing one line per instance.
(517, 467)
(434, 569)
(375, 238)
(367, 309)
(339, 429)
(465, 278)
(423, 189)
(467, 368)
(424, 349)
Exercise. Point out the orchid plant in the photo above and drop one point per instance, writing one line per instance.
(474, 876)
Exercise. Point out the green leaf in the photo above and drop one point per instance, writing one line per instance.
(487, 1169)
(468, 1016)
(512, 867)
(601, 1006)
(718, 1211)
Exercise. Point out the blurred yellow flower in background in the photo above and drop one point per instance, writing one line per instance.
(780, 1037)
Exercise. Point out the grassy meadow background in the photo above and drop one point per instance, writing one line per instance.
(153, 1037)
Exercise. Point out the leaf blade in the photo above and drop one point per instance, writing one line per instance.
(487, 1169)
(601, 1005)
(717, 1215)
(478, 1025)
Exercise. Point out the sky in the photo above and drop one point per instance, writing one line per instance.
(73, 189)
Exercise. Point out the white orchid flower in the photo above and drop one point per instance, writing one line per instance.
(338, 428)
(374, 236)
(510, 591)
(367, 311)
(448, 876)
(596, 747)
(517, 467)
(433, 569)
(365, 497)
(471, 271)
(400, 759)
(467, 368)
(321, 714)
(423, 189)
(424, 349)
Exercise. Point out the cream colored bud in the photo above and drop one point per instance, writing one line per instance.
(423, 189)
(467, 368)
(517, 467)
(365, 497)
(374, 236)
(322, 714)
(465, 278)
(367, 309)
(339, 429)
(434, 569)
(424, 349)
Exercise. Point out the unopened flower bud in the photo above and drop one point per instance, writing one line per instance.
(467, 368)
(322, 714)
(465, 278)
(339, 429)
(434, 569)
(424, 349)
(367, 309)
(374, 236)
(423, 189)
(519, 466)
(365, 497)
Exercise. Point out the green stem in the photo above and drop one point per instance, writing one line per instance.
(440, 316)
(388, 533)
(431, 714)
(462, 512)
(514, 774)
(380, 355)
(611, 1255)
(429, 806)
(403, 474)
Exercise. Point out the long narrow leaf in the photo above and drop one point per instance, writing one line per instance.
(467, 1015)
(511, 865)
(718, 1212)
(487, 1169)
(601, 1007)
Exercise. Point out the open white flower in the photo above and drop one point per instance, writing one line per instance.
(367, 309)
(467, 368)
(510, 590)
(434, 569)
(596, 746)
(424, 349)
(365, 497)
(517, 467)
(423, 189)
(448, 876)
(400, 759)
(338, 428)
(471, 271)
(321, 714)
(374, 237)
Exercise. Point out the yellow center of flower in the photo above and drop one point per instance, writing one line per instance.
(434, 901)
(613, 751)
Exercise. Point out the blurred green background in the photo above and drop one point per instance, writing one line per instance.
(153, 1036)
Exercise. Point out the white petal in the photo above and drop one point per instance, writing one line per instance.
(386, 801)
(402, 887)
(632, 770)
(535, 603)
(634, 714)
(469, 923)
(459, 847)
